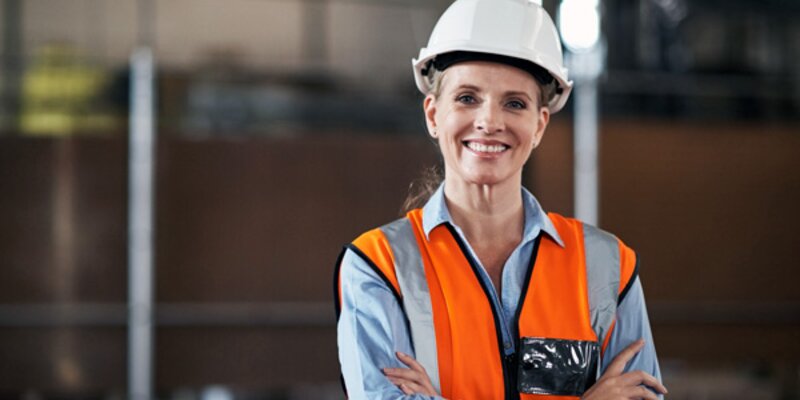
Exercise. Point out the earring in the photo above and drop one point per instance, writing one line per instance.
(434, 133)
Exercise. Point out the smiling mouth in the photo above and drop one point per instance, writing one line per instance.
(486, 148)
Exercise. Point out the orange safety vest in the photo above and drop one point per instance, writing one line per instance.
(568, 302)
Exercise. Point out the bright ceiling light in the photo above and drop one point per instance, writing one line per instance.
(579, 21)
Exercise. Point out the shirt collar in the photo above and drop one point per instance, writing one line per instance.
(435, 213)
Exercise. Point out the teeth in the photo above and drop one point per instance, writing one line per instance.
(486, 149)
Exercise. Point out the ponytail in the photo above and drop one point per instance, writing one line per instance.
(422, 188)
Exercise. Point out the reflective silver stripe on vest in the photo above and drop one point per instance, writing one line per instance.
(416, 295)
(602, 277)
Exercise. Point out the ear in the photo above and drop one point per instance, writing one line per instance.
(544, 119)
(429, 106)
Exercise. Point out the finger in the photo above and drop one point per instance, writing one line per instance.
(635, 378)
(621, 360)
(640, 392)
(410, 361)
(402, 384)
(406, 388)
(403, 373)
(398, 381)
(417, 386)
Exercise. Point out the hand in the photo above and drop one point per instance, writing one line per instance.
(411, 380)
(613, 384)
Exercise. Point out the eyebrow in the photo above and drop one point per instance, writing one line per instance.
(506, 94)
(519, 93)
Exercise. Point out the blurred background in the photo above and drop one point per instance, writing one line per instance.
(284, 128)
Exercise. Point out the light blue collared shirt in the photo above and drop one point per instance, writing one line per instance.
(371, 326)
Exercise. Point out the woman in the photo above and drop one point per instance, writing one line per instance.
(480, 294)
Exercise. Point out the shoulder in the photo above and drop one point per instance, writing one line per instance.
(371, 253)
(356, 275)
(375, 247)
(595, 239)
(577, 232)
(566, 227)
(575, 226)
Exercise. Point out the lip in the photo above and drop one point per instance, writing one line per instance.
(485, 142)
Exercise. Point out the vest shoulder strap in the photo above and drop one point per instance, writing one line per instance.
(373, 247)
(602, 277)
(611, 269)
(410, 270)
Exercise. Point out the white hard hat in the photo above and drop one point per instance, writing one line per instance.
(519, 30)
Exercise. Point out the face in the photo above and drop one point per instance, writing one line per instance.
(487, 121)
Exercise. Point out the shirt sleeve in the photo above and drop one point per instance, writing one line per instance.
(371, 328)
(632, 324)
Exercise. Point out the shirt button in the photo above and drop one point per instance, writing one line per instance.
(507, 345)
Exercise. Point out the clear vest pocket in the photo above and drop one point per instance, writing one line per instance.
(556, 366)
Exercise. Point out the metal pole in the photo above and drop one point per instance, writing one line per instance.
(586, 68)
(140, 225)
(587, 197)
(315, 44)
(580, 22)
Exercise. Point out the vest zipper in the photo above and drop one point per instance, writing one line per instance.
(507, 362)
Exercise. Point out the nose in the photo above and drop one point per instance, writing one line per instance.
(489, 119)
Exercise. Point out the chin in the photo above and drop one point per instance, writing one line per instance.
(484, 175)
(487, 179)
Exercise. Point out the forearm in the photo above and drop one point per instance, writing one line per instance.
(371, 328)
(632, 323)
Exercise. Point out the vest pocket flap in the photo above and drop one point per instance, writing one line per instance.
(556, 366)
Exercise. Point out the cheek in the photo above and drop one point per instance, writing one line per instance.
(456, 119)
(528, 138)
(451, 146)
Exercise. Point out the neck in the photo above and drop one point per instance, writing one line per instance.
(486, 213)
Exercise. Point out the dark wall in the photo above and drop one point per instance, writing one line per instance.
(710, 209)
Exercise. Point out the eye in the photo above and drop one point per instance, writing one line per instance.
(517, 104)
(466, 99)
